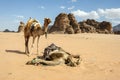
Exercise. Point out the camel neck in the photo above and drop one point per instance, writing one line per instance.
(45, 26)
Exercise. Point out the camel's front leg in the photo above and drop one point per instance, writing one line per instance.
(38, 45)
(32, 46)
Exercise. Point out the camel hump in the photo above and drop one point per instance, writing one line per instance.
(34, 26)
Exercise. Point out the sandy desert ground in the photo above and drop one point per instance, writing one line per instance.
(100, 57)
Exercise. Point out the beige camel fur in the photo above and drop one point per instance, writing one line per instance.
(33, 28)
(58, 57)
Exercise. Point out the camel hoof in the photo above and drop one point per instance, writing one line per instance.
(27, 54)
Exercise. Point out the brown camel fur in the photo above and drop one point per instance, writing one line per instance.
(54, 55)
(33, 28)
(57, 57)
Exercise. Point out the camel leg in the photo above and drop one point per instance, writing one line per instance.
(26, 45)
(32, 46)
(38, 44)
(44, 62)
(50, 63)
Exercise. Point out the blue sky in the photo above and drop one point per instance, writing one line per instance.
(14, 11)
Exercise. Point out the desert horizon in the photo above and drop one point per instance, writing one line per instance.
(99, 52)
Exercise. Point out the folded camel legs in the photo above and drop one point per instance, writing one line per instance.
(44, 62)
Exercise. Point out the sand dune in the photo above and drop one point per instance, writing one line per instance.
(100, 57)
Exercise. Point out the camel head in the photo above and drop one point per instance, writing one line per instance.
(47, 21)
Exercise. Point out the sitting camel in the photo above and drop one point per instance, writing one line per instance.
(54, 55)
(33, 28)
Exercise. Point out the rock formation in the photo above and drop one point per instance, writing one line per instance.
(86, 28)
(105, 26)
(7, 30)
(21, 27)
(92, 26)
(74, 23)
(65, 23)
(116, 29)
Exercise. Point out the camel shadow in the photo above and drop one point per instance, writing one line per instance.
(15, 51)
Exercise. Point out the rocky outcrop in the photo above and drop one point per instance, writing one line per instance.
(86, 28)
(65, 23)
(7, 30)
(92, 26)
(21, 27)
(105, 26)
(74, 23)
(116, 29)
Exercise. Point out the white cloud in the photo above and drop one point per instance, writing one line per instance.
(74, 0)
(62, 7)
(110, 13)
(116, 22)
(72, 7)
(41, 7)
(113, 13)
(20, 17)
(86, 15)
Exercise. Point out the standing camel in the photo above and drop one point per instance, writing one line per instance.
(33, 28)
